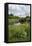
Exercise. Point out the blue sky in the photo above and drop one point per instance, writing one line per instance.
(19, 10)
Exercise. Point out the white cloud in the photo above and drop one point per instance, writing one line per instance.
(17, 10)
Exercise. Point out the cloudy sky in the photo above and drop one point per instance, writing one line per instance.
(19, 10)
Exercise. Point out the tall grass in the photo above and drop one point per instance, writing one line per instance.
(19, 32)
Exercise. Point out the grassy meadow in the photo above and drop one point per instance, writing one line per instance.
(18, 31)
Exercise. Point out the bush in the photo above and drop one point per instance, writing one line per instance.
(22, 20)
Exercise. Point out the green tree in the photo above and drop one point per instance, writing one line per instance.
(11, 14)
(22, 20)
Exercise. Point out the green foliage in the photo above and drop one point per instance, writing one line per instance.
(28, 18)
(11, 21)
(22, 20)
(19, 32)
(13, 17)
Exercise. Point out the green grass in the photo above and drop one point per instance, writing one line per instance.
(11, 21)
(18, 32)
